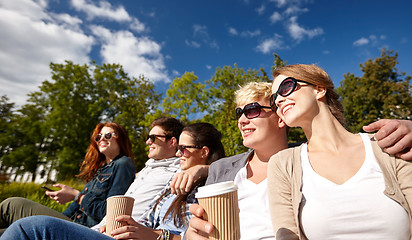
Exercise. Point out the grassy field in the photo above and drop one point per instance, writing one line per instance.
(34, 192)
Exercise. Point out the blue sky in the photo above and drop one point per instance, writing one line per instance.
(164, 39)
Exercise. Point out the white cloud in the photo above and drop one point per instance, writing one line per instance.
(208, 67)
(233, 31)
(192, 44)
(104, 10)
(137, 26)
(175, 73)
(200, 33)
(361, 41)
(199, 30)
(299, 33)
(275, 17)
(31, 39)
(250, 33)
(294, 10)
(247, 33)
(261, 9)
(372, 40)
(325, 52)
(137, 55)
(270, 44)
(280, 3)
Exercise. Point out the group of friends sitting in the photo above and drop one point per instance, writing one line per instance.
(337, 185)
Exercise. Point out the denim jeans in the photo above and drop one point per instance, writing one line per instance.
(45, 227)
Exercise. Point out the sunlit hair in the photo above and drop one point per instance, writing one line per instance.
(94, 158)
(317, 76)
(253, 92)
(203, 135)
(171, 126)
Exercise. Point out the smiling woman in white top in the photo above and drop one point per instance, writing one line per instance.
(338, 185)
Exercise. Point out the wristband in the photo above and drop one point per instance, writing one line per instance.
(164, 235)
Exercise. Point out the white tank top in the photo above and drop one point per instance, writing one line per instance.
(357, 209)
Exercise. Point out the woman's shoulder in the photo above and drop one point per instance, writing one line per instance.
(124, 160)
(286, 158)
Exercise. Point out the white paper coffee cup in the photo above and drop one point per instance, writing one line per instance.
(220, 202)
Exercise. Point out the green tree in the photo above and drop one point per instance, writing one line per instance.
(6, 114)
(184, 97)
(78, 97)
(219, 104)
(382, 92)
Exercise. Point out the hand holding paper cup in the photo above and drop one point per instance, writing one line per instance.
(221, 206)
(116, 206)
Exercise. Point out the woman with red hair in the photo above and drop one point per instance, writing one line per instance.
(108, 169)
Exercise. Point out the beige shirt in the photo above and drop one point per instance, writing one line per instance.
(285, 182)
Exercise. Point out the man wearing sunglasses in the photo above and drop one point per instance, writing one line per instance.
(265, 134)
(159, 169)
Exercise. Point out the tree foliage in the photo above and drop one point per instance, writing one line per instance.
(382, 92)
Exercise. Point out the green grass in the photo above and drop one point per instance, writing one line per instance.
(34, 192)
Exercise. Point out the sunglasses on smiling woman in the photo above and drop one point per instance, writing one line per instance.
(106, 136)
(251, 110)
(182, 148)
(286, 87)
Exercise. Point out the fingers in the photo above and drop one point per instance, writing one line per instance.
(103, 229)
(198, 227)
(174, 185)
(181, 189)
(375, 125)
(181, 183)
(188, 184)
(127, 219)
(395, 144)
(406, 155)
(126, 232)
(196, 210)
(59, 185)
(393, 136)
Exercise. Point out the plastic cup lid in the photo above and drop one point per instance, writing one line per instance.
(216, 189)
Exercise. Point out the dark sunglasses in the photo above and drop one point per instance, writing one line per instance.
(286, 87)
(251, 110)
(153, 137)
(182, 148)
(106, 136)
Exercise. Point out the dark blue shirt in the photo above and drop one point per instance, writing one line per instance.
(110, 180)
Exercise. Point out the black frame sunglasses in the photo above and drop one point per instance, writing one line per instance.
(182, 148)
(106, 136)
(286, 87)
(153, 137)
(251, 110)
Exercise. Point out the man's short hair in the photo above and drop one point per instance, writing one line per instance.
(252, 92)
(171, 126)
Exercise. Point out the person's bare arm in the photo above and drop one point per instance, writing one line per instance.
(182, 182)
(66, 194)
(199, 229)
(393, 136)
